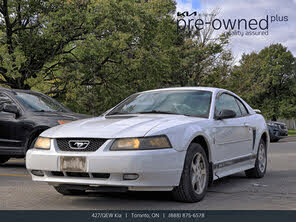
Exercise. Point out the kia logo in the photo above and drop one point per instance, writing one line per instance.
(78, 144)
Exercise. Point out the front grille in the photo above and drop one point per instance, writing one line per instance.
(94, 144)
(77, 174)
(80, 174)
(57, 173)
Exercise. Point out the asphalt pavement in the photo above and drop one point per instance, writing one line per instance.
(276, 191)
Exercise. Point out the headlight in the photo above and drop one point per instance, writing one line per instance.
(64, 121)
(155, 142)
(42, 143)
(271, 124)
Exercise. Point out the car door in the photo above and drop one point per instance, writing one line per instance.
(233, 139)
(250, 125)
(9, 124)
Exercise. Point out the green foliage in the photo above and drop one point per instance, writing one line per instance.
(267, 81)
(124, 52)
(91, 54)
(33, 34)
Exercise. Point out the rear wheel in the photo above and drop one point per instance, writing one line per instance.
(261, 162)
(68, 192)
(195, 177)
(4, 159)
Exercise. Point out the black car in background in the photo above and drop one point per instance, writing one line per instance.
(24, 115)
(277, 130)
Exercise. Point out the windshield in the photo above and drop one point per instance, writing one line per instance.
(192, 103)
(39, 103)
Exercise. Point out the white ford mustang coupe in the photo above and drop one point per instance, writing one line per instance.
(174, 139)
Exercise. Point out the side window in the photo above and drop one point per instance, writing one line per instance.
(226, 101)
(242, 108)
(4, 99)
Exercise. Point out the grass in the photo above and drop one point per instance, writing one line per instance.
(292, 132)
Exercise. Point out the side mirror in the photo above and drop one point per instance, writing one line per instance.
(226, 114)
(10, 108)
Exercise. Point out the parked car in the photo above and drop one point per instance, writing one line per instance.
(24, 115)
(174, 139)
(277, 130)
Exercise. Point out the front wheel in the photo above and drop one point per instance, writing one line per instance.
(261, 162)
(4, 159)
(195, 176)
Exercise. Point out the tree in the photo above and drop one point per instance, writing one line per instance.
(92, 54)
(267, 81)
(203, 58)
(140, 50)
(125, 51)
(33, 33)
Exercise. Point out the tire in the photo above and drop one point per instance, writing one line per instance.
(4, 159)
(261, 162)
(274, 140)
(189, 191)
(69, 192)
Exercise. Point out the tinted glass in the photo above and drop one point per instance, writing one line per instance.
(193, 103)
(39, 103)
(242, 108)
(226, 101)
(4, 99)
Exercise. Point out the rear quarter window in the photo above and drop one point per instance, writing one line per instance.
(242, 108)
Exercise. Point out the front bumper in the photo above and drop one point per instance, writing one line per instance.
(277, 133)
(157, 169)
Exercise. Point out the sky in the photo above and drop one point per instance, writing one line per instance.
(278, 32)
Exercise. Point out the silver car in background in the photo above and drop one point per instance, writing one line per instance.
(174, 139)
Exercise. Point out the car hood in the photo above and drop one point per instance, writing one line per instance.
(280, 123)
(116, 126)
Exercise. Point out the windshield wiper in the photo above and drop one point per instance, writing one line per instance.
(152, 111)
(159, 112)
(117, 113)
(166, 112)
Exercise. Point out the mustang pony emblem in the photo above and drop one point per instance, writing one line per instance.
(78, 144)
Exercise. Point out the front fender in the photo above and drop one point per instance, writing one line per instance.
(181, 136)
(261, 129)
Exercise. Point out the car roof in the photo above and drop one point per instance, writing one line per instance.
(211, 89)
(5, 89)
(17, 90)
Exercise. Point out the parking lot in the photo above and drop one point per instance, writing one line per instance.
(277, 190)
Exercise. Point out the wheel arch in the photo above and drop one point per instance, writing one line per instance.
(204, 142)
(265, 138)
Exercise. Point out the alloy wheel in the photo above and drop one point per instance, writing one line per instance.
(198, 173)
(262, 157)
